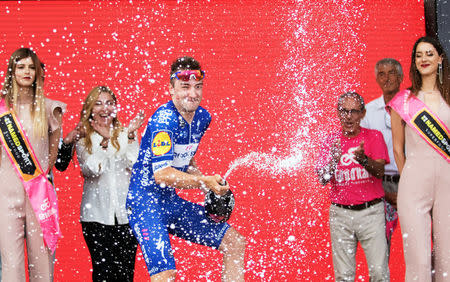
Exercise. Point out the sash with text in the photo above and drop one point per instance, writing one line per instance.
(40, 191)
(423, 121)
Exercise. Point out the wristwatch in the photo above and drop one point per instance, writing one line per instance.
(364, 161)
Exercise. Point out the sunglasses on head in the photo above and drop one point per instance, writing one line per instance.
(187, 75)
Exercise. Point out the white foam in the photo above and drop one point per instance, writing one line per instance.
(268, 163)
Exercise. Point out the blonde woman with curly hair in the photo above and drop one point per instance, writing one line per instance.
(106, 154)
(37, 122)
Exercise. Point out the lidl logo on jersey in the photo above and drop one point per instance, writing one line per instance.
(161, 143)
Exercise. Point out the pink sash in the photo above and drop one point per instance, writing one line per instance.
(420, 118)
(40, 192)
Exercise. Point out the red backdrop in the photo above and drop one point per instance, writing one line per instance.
(274, 71)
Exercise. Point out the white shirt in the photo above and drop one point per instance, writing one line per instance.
(378, 118)
(106, 179)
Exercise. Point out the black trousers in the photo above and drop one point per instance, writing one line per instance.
(113, 251)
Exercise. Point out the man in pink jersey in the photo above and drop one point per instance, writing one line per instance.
(352, 161)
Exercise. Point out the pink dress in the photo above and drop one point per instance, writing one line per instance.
(17, 219)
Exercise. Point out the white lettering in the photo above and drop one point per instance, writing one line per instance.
(47, 214)
(147, 156)
(182, 154)
(353, 174)
(160, 165)
(145, 176)
(164, 116)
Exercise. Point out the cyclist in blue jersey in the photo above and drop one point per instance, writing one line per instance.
(166, 161)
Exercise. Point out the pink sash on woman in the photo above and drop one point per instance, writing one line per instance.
(423, 121)
(40, 192)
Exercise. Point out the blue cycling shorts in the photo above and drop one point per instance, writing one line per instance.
(160, 215)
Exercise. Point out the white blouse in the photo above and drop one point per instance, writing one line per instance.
(106, 179)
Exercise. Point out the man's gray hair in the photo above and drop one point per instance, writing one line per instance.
(353, 95)
(389, 61)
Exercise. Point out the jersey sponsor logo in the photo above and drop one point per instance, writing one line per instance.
(147, 157)
(164, 116)
(160, 245)
(145, 176)
(222, 232)
(160, 165)
(161, 143)
(183, 154)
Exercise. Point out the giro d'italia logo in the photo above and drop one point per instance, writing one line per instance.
(161, 143)
(348, 158)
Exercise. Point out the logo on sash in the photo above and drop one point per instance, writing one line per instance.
(16, 145)
(40, 192)
(423, 121)
(433, 131)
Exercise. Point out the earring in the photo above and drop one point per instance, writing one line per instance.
(440, 73)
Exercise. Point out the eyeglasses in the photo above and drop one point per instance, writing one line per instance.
(352, 112)
(187, 75)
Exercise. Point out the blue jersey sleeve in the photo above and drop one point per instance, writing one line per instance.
(161, 133)
(142, 174)
(156, 150)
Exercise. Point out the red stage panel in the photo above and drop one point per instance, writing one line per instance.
(274, 71)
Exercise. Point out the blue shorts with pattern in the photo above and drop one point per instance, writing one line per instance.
(166, 213)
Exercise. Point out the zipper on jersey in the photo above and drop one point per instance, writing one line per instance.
(189, 133)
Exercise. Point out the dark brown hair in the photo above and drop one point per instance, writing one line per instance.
(416, 77)
(184, 63)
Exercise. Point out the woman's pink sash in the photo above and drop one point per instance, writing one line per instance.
(40, 192)
(423, 121)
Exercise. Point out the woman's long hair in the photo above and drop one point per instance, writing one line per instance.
(10, 90)
(86, 117)
(416, 77)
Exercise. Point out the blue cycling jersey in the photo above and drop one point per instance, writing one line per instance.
(168, 141)
(155, 211)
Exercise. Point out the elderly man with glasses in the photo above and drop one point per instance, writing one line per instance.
(352, 161)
